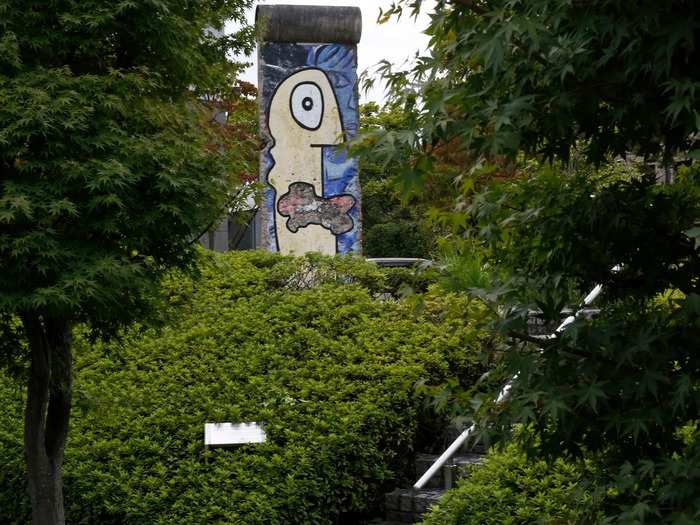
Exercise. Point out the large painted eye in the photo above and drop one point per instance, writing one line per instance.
(306, 104)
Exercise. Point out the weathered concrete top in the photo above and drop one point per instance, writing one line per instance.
(309, 24)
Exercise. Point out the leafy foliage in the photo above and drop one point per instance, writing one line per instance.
(110, 163)
(392, 226)
(399, 210)
(302, 344)
(510, 489)
(581, 227)
(623, 385)
(511, 84)
(549, 76)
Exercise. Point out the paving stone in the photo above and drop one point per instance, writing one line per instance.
(424, 499)
(401, 517)
(406, 501)
(392, 499)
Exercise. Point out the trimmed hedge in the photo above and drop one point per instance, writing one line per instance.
(510, 489)
(301, 344)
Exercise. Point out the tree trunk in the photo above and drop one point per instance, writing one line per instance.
(47, 415)
(669, 166)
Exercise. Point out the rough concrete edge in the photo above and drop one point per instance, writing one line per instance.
(299, 24)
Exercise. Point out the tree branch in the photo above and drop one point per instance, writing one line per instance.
(226, 206)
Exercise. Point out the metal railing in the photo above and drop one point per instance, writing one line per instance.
(505, 391)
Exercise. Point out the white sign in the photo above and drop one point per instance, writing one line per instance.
(226, 434)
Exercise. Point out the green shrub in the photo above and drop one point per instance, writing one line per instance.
(396, 239)
(13, 495)
(328, 368)
(509, 489)
(392, 228)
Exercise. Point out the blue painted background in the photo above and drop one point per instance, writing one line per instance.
(340, 174)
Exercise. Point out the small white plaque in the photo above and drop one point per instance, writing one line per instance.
(227, 434)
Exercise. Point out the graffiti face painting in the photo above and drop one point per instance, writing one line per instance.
(312, 196)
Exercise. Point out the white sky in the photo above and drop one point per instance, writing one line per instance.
(395, 41)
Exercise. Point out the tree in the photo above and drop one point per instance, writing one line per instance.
(109, 168)
(392, 226)
(620, 388)
(398, 211)
(552, 77)
(568, 92)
